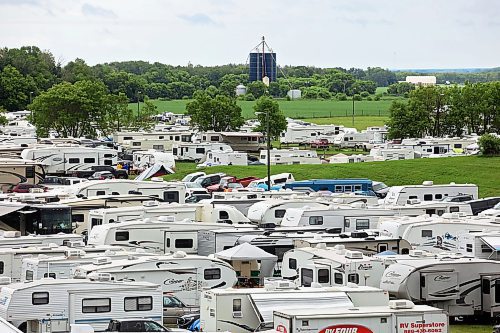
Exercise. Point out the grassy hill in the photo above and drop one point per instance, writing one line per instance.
(476, 170)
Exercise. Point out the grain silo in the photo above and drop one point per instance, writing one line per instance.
(263, 63)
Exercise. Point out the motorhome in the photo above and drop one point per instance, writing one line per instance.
(189, 151)
(359, 185)
(399, 195)
(272, 211)
(366, 242)
(462, 286)
(14, 171)
(356, 216)
(163, 235)
(152, 209)
(52, 305)
(66, 159)
(278, 181)
(139, 140)
(240, 141)
(163, 191)
(484, 245)
(183, 275)
(331, 267)
(426, 147)
(223, 157)
(436, 233)
(145, 158)
(249, 309)
(290, 156)
(397, 317)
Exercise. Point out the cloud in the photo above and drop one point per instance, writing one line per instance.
(198, 19)
(20, 2)
(90, 10)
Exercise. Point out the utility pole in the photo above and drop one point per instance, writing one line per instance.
(138, 105)
(268, 151)
(352, 110)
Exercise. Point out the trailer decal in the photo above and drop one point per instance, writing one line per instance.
(346, 328)
(419, 327)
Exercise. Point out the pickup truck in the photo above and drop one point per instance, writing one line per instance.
(320, 144)
(173, 309)
(118, 173)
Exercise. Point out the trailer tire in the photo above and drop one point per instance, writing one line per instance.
(23, 327)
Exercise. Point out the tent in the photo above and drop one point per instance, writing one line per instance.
(156, 170)
(244, 252)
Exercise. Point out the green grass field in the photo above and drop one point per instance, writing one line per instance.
(471, 328)
(297, 108)
(472, 169)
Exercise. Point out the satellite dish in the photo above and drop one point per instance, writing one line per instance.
(265, 79)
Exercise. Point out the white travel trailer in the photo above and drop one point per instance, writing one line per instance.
(484, 245)
(244, 310)
(11, 258)
(290, 156)
(272, 211)
(61, 267)
(163, 235)
(188, 151)
(13, 239)
(364, 139)
(51, 305)
(65, 159)
(183, 275)
(163, 191)
(398, 316)
(240, 141)
(152, 209)
(391, 154)
(14, 171)
(222, 157)
(461, 286)
(331, 267)
(356, 216)
(306, 133)
(435, 234)
(399, 195)
(146, 158)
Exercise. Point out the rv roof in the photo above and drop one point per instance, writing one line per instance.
(77, 283)
(246, 291)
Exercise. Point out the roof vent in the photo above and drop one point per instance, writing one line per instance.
(75, 244)
(428, 183)
(74, 253)
(95, 276)
(354, 255)
(321, 246)
(11, 234)
(401, 304)
(179, 254)
(101, 261)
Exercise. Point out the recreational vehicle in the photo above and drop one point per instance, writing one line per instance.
(435, 234)
(483, 245)
(240, 141)
(145, 158)
(399, 195)
(13, 239)
(459, 285)
(398, 316)
(188, 151)
(277, 181)
(306, 133)
(331, 267)
(183, 275)
(290, 156)
(66, 159)
(223, 157)
(52, 305)
(14, 171)
(360, 185)
(364, 139)
(272, 211)
(245, 310)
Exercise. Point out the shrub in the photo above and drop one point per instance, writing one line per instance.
(365, 94)
(357, 97)
(376, 98)
(249, 97)
(369, 98)
(341, 97)
(489, 145)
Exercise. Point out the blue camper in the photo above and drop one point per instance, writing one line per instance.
(348, 185)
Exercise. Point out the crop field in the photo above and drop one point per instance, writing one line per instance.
(298, 108)
(471, 169)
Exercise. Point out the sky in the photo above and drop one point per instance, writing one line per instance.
(394, 34)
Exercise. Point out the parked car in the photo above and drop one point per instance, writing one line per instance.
(173, 309)
(137, 325)
(102, 175)
(208, 180)
(117, 173)
(196, 197)
(26, 188)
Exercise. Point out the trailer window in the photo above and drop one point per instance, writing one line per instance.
(279, 213)
(30, 171)
(108, 155)
(223, 215)
(100, 193)
(357, 188)
(323, 276)
(211, 274)
(315, 220)
(485, 249)
(121, 236)
(353, 278)
(96, 305)
(29, 275)
(200, 150)
(339, 189)
(306, 277)
(497, 291)
(339, 278)
(237, 305)
(40, 298)
(2, 265)
(438, 196)
(78, 218)
(426, 233)
(74, 160)
(108, 162)
(214, 138)
(89, 160)
(427, 197)
(49, 275)
(158, 147)
(138, 303)
(136, 144)
(95, 221)
(362, 224)
(171, 196)
(292, 263)
(454, 209)
(468, 247)
(348, 188)
(347, 223)
(183, 243)
(485, 286)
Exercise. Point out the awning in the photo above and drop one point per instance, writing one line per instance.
(266, 303)
(9, 207)
(156, 170)
(492, 241)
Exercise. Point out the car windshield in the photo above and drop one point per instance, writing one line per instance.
(171, 301)
(497, 206)
(379, 186)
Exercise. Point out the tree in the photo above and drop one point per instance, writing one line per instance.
(3, 118)
(489, 144)
(15, 89)
(405, 122)
(72, 110)
(267, 108)
(316, 92)
(381, 77)
(118, 114)
(220, 113)
(400, 88)
(145, 120)
(256, 88)
(77, 70)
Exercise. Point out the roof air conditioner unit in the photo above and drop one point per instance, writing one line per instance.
(12, 234)
(179, 254)
(401, 304)
(416, 253)
(102, 261)
(428, 183)
(74, 253)
(151, 203)
(321, 246)
(354, 255)
(75, 244)
(94, 276)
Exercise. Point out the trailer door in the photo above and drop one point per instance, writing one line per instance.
(490, 294)
(439, 285)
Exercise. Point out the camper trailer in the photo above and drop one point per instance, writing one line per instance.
(331, 267)
(459, 285)
(240, 141)
(483, 245)
(14, 171)
(183, 275)
(358, 185)
(188, 151)
(66, 159)
(223, 157)
(290, 156)
(145, 158)
(399, 195)
(435, 234)
(13, 239)
(306, 133)
(398, 316)
(272, 211)
(52, 305)
(250, 309)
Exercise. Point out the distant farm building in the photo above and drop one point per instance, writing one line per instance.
(421, 80)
